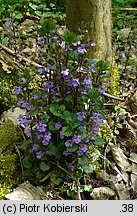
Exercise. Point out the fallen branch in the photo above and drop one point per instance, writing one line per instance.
(18, 56)
(113, 97)
(125, 9)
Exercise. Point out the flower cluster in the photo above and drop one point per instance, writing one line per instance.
(9, 24)
(97, 121)
(57, 121)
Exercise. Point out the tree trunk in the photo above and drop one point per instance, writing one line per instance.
(94, 16)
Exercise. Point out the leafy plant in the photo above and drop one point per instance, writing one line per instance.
(65, 111)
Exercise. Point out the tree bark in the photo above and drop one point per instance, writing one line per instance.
(94, 16)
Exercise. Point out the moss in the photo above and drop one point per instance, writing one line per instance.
(105, 133)
(4, 189)
(8, 137)
(114, 88)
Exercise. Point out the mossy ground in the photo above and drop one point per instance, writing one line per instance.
(8, 157)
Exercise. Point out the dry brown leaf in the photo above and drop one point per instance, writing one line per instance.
(133, 157)
(102, 193)
(119, 157)
(134, 182)
(123, 191)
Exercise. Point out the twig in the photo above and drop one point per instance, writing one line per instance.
(18, 56)
(17, 149)
(125, 9)
(113, 97)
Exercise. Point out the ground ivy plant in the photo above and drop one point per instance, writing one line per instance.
(64, 110)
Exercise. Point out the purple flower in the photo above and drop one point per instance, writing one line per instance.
(66, 153)
(76, 139)
(20, 101)
(80, 116)
(68, 48)
(84, 92)
(58, 40)
(92, 43)
(82, 49)
(83, 148)
(39, 135)
(34, 96)
(107, 81)
(41, 70)
(82, 126)
(22, 120)
(23, 80)
(9, 30)
(80, 69)
(65, 71)
(88, 82)
(40, 53)
(46, 138)
(95, 129)
(69, 143)
(26, 105)
(90, 69)
(41, 127)
(86, 140)
(34, 148)
(71, 166)
(76, 43)
(127, 84)
(41, 41)
(102, 89)
(8, 21)
(96, 118)
(18, 90)
(61, 135)
(75, 82)
(58, 125)
(29, 132)
(48, 85)
(39, 154)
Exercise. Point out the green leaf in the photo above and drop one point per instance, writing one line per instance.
(45, 118)
(47, 25)
(54, 109)
(112, 185)
(33, 6)
(41, 93)
(2, 9)
(83, 160)
(52, 149)
(44, 167)
(62, 108)
(82, 132)
(18, 15)
(5, 41)
(99, 141)
(78, 174)
(120, 23)
(26, 162)
(38, 13)
(88, 168)
(55, 179)
(74, 148)
(87, 187)
(93, 94)
(66, 131)
(52, 126)
(68, 98)
(99, 105)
